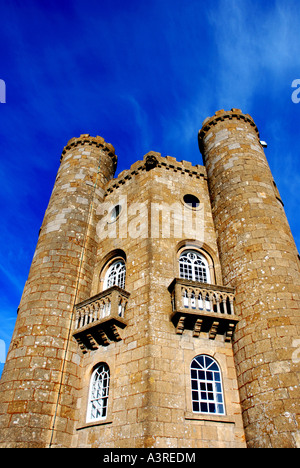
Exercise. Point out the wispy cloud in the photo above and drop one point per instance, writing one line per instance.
(256, 44)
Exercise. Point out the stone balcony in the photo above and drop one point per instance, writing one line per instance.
(98, 320)
(202, 307)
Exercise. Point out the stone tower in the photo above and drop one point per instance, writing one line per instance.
(259, 259)
(161, 306)
(35, 384)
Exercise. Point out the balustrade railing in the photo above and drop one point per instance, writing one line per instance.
(97, 318)
(196, 298)
(202, 307)
(113, 302)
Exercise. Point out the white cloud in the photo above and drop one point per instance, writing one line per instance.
(256, 45)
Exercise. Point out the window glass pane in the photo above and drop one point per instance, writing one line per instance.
(218, 387)
(194, 385)
(115, 212)
(98, 398)
(204, 408)
(195, 407)
(196, 365)
(207, 393)
(200, 359)
(209, 387)
(212, 408)
(221, 409)
(193, 266)
(115, 275)
(213, 366)
(191, 200)
(208, 361)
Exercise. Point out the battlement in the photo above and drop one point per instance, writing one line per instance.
(86, 139)
(152, 160)
(220, 116)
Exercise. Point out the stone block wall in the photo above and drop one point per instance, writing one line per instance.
(150, 395)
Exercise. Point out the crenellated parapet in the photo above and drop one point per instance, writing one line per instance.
(97, 141)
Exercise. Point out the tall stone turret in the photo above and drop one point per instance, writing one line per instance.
(259, 259)
(38, 385)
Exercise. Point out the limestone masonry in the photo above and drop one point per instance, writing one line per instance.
(162, 307)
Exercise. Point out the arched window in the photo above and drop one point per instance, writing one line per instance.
(193, 266)
(115, 275)
(98, 396)
(206, 384)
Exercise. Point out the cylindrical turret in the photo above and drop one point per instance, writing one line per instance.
(38, 385)
(259, 258)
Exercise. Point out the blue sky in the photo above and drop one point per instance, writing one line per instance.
(144, 75)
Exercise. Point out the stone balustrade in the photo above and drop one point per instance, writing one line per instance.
(99, 318)
(203, 307)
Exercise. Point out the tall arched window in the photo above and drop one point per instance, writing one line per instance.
(98, 395)
(206, 384)
(193, 266)
(115, 275)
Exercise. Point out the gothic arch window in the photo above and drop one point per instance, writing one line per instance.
(206, 385)
(194, 266)
(115, 274)
(98, 393)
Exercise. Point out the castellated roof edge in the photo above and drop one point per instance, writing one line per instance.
(154, 159)
(98, 141)
(222, 115)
